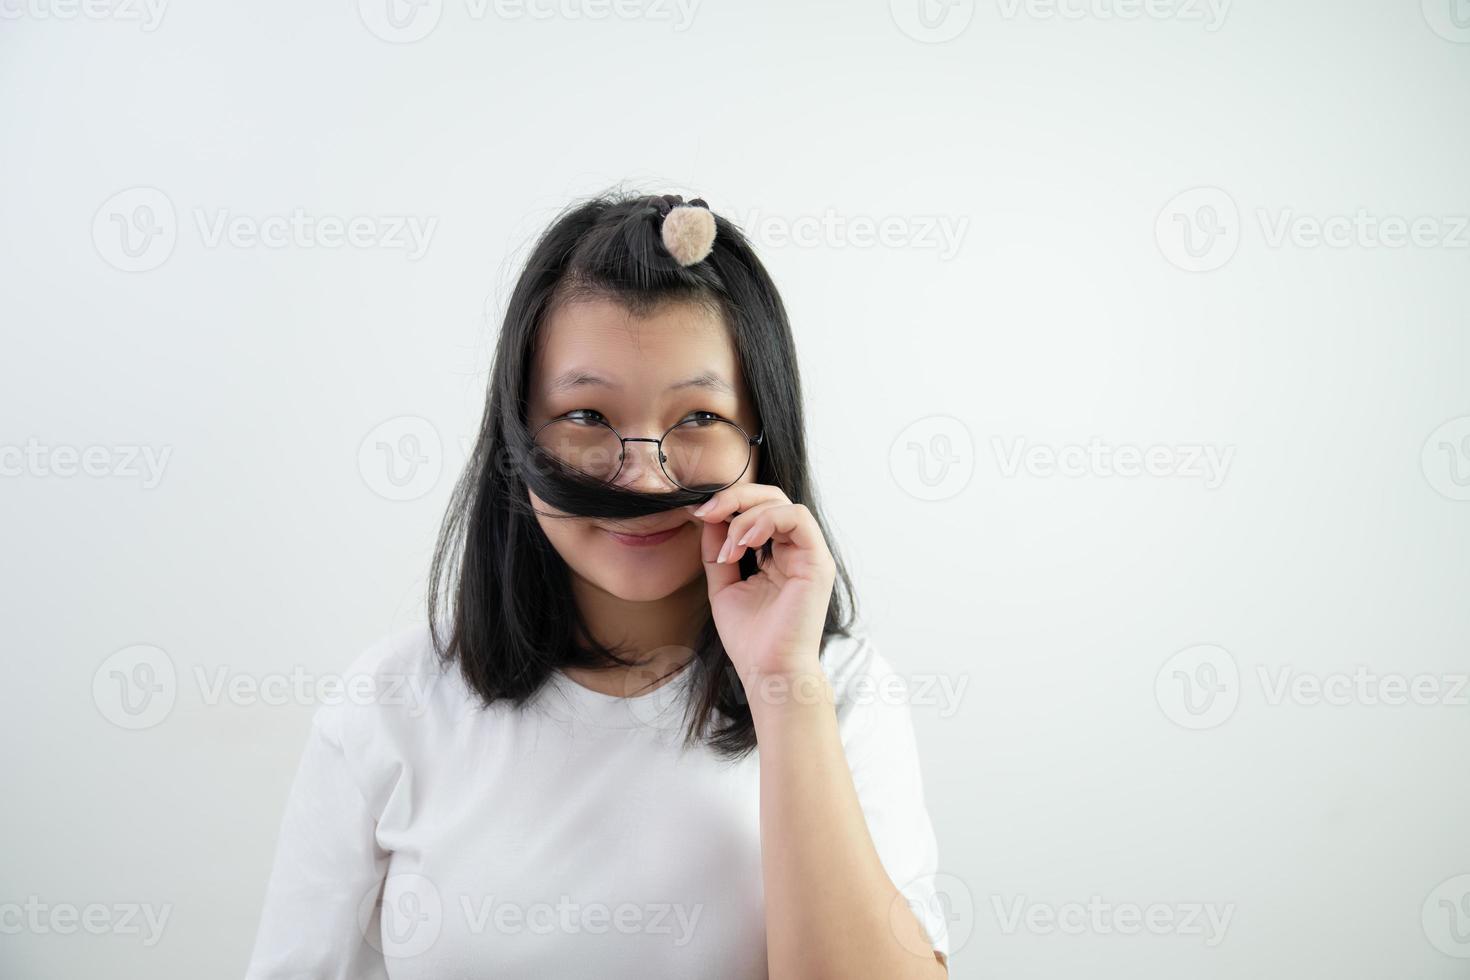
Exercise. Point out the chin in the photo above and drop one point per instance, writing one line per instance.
(640, 591)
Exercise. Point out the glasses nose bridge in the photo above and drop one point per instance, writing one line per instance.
(658, 454)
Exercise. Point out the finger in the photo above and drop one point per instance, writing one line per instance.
(717, 575)
(738, 533)
(740, 497)
(795, 525)
(750, 540)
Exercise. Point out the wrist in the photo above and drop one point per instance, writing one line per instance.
(795, 690)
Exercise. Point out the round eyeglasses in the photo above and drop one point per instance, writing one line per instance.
(704, 455)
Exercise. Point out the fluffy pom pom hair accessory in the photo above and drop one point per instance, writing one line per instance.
(687, 230)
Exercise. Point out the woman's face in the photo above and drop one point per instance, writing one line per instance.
(642, 375)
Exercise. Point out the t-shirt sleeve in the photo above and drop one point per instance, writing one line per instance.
(328, 871)
(878, 738)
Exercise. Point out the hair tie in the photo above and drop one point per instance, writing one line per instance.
(687, 230)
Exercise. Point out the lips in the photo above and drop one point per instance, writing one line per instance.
(645, 539)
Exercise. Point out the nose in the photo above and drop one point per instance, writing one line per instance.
(641, 469)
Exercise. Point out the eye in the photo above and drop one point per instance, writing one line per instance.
(704, 417)
(590, 416)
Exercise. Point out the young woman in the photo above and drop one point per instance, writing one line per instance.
(639, 737)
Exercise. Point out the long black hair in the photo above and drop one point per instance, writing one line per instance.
(500, 599)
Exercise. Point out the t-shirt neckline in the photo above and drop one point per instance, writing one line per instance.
(660, 708)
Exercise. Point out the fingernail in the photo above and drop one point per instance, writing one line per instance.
(723, 549)
(704, 507)
(745, 537)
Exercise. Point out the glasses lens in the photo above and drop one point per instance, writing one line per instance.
(585, 445)
(705, 454)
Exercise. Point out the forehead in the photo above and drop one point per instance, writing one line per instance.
(601, 335)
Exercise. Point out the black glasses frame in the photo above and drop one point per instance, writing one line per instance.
(659, 443)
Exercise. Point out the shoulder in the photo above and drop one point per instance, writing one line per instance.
(395, 702)
(396, 679)
(856, 669)
(407, 652)
(869, 695)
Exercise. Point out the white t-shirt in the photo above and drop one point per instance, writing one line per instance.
(427, 837)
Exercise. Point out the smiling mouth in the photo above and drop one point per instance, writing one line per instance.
(644, 540)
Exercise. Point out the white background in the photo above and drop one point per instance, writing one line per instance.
(1084, 302)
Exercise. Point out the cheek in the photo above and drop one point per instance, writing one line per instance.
(566, 534)
(570, 536)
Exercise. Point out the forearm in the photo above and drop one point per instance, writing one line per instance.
(831, 909)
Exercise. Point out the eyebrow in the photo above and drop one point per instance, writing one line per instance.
(577, 378)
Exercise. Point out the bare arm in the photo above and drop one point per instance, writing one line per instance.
(831, 909)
